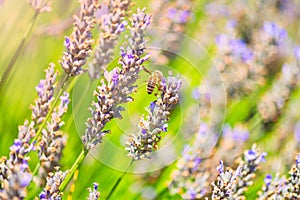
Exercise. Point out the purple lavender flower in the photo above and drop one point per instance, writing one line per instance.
(94, 194)
(196, 93)
(115, 89)
(172, 13)
(222, 41)
(14, 178)
(223, 186)
(297, 53)
(297, 131)
(79, 44)
(184, 16)
(248, 166)
(292, 190)
(52, 141)
(190, 179)
(238, 134)
(111, 23)
(51, 190)
(274, 31)
(140, 146)
(45, 90)
(240, 49)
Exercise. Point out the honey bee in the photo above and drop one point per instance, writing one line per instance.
(155, 79)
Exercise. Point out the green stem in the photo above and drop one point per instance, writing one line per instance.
(78, 105)
(50, 111)
(17, 53)
(36, 169)
(74, 167)
(118, 181)
(161, 193)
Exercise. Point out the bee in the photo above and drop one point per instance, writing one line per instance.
(155, 79)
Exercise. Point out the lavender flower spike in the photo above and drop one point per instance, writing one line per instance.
(118, 84)
(223, 186)
(40, 5)
(111, 25)
(248, 165)
(272, 189)
(14, 172)
(293, 183)
(94, 194)
(79, 44)
(52, 141)
(140, 146)
(51, 190)
(45, 90)
(190, 179)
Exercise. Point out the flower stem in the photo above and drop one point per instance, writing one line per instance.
(118, 181)
(74, 167)
(78, 105)
(17, 53)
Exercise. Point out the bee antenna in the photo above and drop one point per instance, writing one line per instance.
(146, 70)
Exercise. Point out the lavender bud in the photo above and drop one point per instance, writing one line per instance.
(268, 179)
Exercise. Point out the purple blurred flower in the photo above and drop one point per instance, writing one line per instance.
(239, 49)
(203, 129)
(297, 131)
(192, 193)
(231, 24)
(237, 134)
(222, 41)
(274, 31)
(196, 93)
(297, 53)
(172, 13)
(184, 16)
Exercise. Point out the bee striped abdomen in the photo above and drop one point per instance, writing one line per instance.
(150, 86)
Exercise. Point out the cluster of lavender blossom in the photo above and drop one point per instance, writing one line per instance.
(44, 132)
